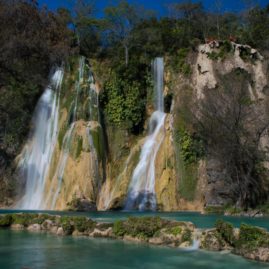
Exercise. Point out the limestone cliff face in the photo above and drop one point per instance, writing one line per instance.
(211, 68)
(80, 176)
(95, 163)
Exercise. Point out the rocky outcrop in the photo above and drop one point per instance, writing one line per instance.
(248, 241)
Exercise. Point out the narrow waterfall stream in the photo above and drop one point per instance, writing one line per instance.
(94, 118)
(66, 141)
(141, 193)
(37, 153)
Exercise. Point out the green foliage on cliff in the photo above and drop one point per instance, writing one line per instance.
(98, 142)
(224, 50)
(124, 97)
(224, 117)
(178, 61)
(79, 146)
(191, 147)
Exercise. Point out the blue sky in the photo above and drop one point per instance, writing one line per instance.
(157, 5)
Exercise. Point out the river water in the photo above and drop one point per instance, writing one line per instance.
(23, 250)
(201, 221)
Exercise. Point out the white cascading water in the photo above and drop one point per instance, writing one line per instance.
(93, 116)
(67, 141)
(141, 193)
(37, 154)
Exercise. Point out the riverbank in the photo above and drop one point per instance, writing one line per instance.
(248, 241)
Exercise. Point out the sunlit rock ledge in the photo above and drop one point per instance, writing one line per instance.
(248, 241)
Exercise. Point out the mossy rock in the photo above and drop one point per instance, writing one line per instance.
(118, 228)
(213, 241)
(177, 230)
(226, 230)
(144, 227)
(83, 224)
(187, 236)
(98, 142)
(5, 220)
(215, 209)
(252, 237)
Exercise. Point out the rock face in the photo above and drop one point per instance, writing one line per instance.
(99, 160)
(78, 186)
(211, 68)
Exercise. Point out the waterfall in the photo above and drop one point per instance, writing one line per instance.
(158, 69)
(37, 153)
(62, 163)
(94, 121)
(66, 141)
(141, 193)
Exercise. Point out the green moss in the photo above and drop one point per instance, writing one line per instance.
(23, 219)
(61, 135)
(222, 53)
(138, 227)
(230, 209)
(79, 146)
(147, 226)
(66, 224)
(252, 237)
(215, 209)
(179, 62)
(98, 142)
(174, 230)
(225, 229)
(264, 209)
(118, 228)
(5, 220)
(83, 224)
(191, 146)
(186, 236)
(188, 180)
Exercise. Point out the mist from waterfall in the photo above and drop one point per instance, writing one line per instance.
(141, 193)
(37, 154)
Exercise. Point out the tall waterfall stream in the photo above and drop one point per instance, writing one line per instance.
(141, 193)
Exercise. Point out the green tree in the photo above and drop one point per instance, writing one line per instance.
(119, 22)
(87, 27)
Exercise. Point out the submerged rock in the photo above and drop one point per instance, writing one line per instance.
(82, 204)
(17, 227)
(34, 227)
(60, 231)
